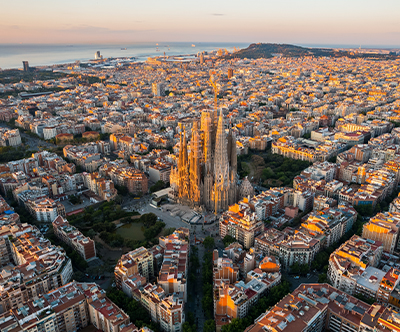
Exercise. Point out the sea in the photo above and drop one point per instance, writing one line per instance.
(12, 55)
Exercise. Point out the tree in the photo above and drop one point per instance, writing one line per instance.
(148, 219)
(122, 190)
(295, 268)
(304, 269)
(322, 278)
(227, 240)
(158, 186)
(364, 210)
(209, 325)
(186, 327)
(332, 159)
(209, 243)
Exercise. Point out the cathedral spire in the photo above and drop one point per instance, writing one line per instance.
(221, 168)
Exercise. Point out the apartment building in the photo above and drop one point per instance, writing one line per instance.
(224, 269)
(70, 307)
(43, 209)
(172, 315)
(321, 171)
(104, 314)
(138, 261)
(241, 223)
(135, 180)
(298, 248)
(313, 308)
(268, 242)
(387, 285)
(329, 224)
(10, 137)
(160, 172)
(383, 227)
(100, 186)
(230, 301)
(173, 273)
(83, 245)
(352, 267)
(38, 265)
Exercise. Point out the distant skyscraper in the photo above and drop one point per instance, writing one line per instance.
(207, 175)
(158, 90)
(97, 55)
(201, 58)
(230, 73)
(26, 65)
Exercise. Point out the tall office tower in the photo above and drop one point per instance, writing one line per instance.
(230, 73)
(26, 65)
(201, 58)
(97, 55)
(158, 89)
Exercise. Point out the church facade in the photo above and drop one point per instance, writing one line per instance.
(207, 175)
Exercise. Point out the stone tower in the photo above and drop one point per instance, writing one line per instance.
(232, 157)
(183, 169)
(208, 161)
(221, 169)
(195, 169)
(207, 175)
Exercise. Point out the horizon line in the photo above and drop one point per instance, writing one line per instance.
(310, 45)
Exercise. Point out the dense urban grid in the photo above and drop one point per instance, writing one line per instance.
(201, 193)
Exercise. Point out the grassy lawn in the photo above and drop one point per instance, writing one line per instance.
(132, 231)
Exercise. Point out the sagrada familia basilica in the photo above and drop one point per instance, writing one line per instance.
(206, 177)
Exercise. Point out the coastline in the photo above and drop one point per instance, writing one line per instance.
(12, 55)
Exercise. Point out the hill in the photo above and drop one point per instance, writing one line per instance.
(255, 51)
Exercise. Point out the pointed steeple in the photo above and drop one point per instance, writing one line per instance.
(221, 169)
(220, 155)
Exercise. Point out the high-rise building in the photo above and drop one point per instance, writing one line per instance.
(158, 89)
(26, 65)
(201, 58)
(230, 73)
(98, 56)
(207, 176)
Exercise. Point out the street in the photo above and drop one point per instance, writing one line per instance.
(70, 207)
(294, 283)
(194, 303)
(143, 206)
(33, 142)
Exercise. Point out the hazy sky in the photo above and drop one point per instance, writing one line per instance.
(365, 22)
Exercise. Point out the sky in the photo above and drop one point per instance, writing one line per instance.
(305, 22)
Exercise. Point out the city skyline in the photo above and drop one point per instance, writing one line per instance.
(306, 22)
